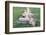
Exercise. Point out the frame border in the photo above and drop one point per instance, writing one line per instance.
(7, 17)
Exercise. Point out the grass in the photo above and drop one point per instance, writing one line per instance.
(17, 11)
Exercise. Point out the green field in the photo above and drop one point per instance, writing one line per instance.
(17, 11)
